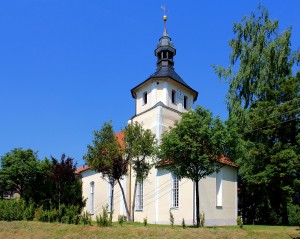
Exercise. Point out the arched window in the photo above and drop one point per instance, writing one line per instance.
(92, 197)
(109, 198)
(139, 196)
(219, 188)
(174, 191)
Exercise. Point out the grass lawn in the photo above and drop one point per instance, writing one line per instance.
(38, 230)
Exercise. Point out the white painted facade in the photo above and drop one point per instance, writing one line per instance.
(159, 104)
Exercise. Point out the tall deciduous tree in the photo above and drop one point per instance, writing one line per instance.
(263, 100)
(106, 156)
(140, 145)
(193, 148)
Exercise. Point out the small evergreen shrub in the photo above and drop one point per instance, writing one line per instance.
(12, 210)
(52, 215)
(61, 212)
(85, 219)
(183, 223)
(145, 221)
(202, 219)
(171, 218)
(239, 221)
(44, 216)
(38, 213)
(294, 214)
(29, 211)
(104, 219)
(121, 219)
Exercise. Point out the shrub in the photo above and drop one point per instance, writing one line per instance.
(44, 216)
(183, 223)
(121, 219)
(202, 219)
(52, 215)
(61, 212)
(29, 211)
(11, 210)
(85, 218)
(38, 213)
(239, 221)
(171, 218)
(72, 214)
(104, 219)
(145, 221)
(294, 214)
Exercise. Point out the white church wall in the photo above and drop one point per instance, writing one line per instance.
(208, 192)
(101, 194)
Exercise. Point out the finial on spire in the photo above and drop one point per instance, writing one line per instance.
(165, 18)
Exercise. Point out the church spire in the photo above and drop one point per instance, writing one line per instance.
(165, 49)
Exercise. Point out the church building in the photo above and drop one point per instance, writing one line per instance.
(160, 100)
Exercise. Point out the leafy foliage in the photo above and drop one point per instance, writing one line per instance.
(106, 157)
(18, 172)
(263, 102)
(194, 146)
(104, 219)
(45, 183)
(140, 145)
(67, 188)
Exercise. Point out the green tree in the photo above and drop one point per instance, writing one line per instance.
(18, 171)
(67, 188)
(263, 101)
(106, 156)
(140, 145)
(193, 148)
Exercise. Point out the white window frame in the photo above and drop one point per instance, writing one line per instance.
(92, 197)
(174, 191)
(219, 188)
(109, 188)
(139, 196)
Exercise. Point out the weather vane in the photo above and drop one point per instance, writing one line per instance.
(164, 8)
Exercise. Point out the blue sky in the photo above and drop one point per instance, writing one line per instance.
(67, 66)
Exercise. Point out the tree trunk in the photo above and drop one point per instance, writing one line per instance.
(125, 202)
(133, 200)
(197, 204)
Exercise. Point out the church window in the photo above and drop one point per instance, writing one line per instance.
(219, 191)
(109, 198)
(173, 96)
(139, 196)
(185, 102)
(174, 191)
(145, 96)
(92, 197)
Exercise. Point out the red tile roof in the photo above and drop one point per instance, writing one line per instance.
(227, 161)
(223, 160)
(81, 169)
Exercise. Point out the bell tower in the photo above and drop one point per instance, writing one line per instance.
(162, 97)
